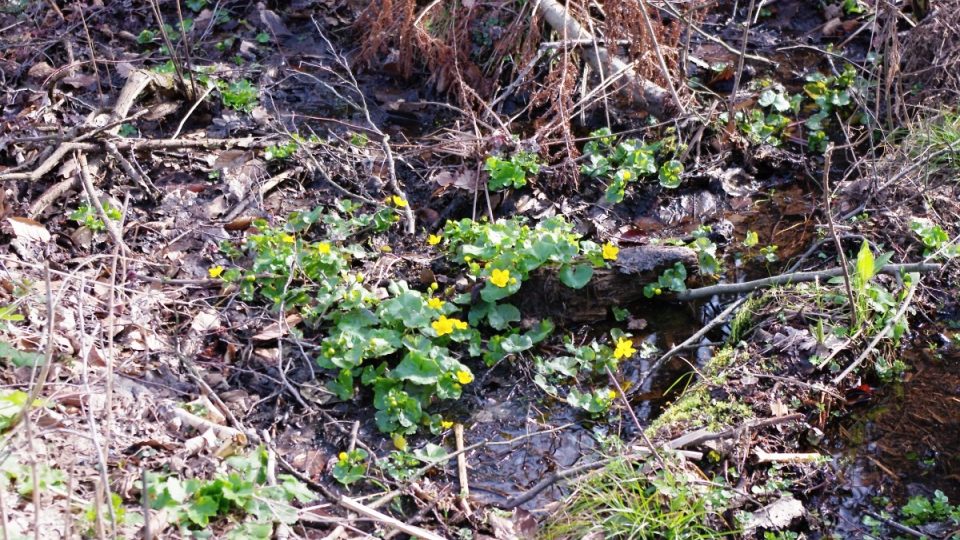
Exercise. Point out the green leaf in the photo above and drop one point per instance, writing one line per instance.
(670, 174)
(431, 453)
(501, 315)
(541, 331)
(417, 368)
(20, 358)
(202, 509)
(517, 343)
(492, 293)
(865, 265)
(751, 239)
(576, 277)
(11, 403)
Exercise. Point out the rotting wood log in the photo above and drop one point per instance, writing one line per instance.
(543, 295)
(655, 98)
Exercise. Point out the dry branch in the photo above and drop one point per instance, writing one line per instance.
(657, 99)
(796, 277)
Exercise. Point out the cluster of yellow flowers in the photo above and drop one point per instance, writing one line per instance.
(444, 326)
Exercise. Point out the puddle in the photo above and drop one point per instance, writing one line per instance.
(518, 410)
(904, 441)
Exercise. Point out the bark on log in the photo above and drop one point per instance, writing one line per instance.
(543, 295)
(655, 98)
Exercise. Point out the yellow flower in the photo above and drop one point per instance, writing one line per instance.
(324, 248)
(343, 457)
(434, 239)
(626, 175)
(287, 238)
(464, 376)
(624, 349)
(360, 278)
(500, 278)
(446, 424)
(612, 394)
(399, 442)
(435, 303)
(398, 201)
(610, 251)
(215, 272)
(444, 326)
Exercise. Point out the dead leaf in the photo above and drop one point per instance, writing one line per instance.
(205, 321)
(28, 229)
(462, 179)
(273, 22)
(274, 331)
(161, 110)
(40, 70)
(778, 408)
(777, 516)
(79, 80)
(521, 525)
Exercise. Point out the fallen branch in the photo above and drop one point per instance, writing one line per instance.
(656, 98)
(796, 277)
(384, 519)
(134, 144)
(701, 436)
(462, 469)
(786, 457)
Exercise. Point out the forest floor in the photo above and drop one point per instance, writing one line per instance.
(346, 269)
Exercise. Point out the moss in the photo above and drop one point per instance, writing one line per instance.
(695, 408)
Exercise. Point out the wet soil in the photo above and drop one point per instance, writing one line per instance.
(902, 441)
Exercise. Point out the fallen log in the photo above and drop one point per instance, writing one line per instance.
(543, 295)
(655, 98)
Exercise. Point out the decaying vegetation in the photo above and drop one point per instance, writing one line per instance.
(473, 269)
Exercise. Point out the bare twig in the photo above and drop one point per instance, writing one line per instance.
(716, 321)
(796, 277)
(462, 468)
(786, 457)
(827, 196)
(366, 511)
(94, 195)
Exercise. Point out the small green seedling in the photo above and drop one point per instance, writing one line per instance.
(511, 172)
(240, 95)
(88, 217)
